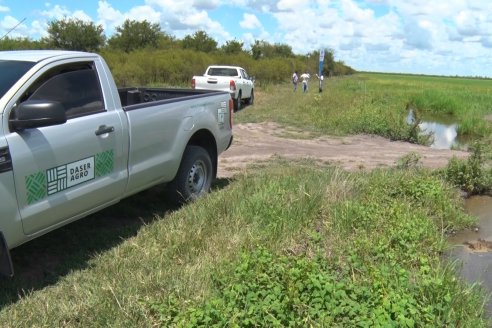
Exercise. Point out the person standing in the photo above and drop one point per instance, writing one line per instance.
(321, 78)
(295, 79)
(305, 78)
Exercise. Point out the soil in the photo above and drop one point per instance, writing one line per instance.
(259, 142)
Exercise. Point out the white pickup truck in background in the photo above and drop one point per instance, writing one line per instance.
(71, 143)
(233, 79)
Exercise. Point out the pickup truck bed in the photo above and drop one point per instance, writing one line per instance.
(132, 95)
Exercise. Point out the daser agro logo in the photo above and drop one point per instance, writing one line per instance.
(69, 175)
(44, 183)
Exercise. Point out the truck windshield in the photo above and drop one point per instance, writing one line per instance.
(12, 70)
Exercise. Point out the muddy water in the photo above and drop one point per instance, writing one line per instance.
(473, 249)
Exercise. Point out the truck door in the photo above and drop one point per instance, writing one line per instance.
(63, 172)
(248, 84)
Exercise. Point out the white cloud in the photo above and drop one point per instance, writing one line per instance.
(417, 36)
(206, 4)
(10, 25)
(79, 14)
(182, 18)
(57, 12)
(110, 18)
(487, 42)
(250, 22)
(4, 9)
(352, 12)
(39, 28)
(291, 5)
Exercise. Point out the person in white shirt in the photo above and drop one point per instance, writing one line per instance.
(305, 78)
(295, 79)
(321, 78)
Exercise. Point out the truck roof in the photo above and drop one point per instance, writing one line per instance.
(39, 55)
(224, 66)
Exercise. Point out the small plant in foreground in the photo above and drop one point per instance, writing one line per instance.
(409, 160)
(470, 175)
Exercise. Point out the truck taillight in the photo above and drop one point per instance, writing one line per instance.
(231, 110)
(232, 86)
(193, 83)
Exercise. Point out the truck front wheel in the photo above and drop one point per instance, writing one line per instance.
(194, 177)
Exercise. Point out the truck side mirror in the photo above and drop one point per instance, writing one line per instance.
(37, 113)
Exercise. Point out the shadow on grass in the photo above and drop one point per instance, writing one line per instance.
(43, 261)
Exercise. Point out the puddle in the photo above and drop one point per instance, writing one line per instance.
(473, 249)
(444, 131)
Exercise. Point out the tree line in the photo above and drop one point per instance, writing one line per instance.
(139, 52)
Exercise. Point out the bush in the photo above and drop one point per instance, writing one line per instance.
(470, 175)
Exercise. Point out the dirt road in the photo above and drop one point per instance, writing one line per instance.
(260, 142)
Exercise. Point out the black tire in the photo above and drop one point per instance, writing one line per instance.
(194, 177)
(237, 102)
(251, 99)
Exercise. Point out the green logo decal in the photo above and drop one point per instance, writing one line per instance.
(104, 163)
(42, 184)
(36, 187)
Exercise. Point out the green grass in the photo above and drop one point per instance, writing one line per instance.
(291, 244)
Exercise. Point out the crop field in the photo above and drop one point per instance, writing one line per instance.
(284, 244)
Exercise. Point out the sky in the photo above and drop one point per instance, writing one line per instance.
(439, 37)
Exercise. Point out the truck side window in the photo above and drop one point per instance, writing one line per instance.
(244, 74)
(77, 90)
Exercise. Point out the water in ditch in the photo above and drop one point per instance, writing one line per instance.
(472, 249)
(444, 130)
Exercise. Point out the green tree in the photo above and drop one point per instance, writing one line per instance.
(133, 35)
(20, 43)
(232, 47)
(258, 49)
(282, 50)
(75, 34)
(263, 49)
(199, 41)
(167, 41)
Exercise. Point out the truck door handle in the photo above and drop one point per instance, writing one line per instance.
(103, 129)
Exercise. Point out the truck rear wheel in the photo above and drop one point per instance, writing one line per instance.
(237, 103)
(194, 177)
(251, 99)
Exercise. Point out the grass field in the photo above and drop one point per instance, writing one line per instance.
(378, 104)
(286, 244)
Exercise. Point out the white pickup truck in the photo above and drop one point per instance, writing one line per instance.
(233, 79)
(71, 143)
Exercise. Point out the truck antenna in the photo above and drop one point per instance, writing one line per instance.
(13, 28)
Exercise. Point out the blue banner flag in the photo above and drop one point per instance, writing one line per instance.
(320, 72)
(321, 59)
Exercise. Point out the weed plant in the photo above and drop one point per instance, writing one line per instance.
(472, 175)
